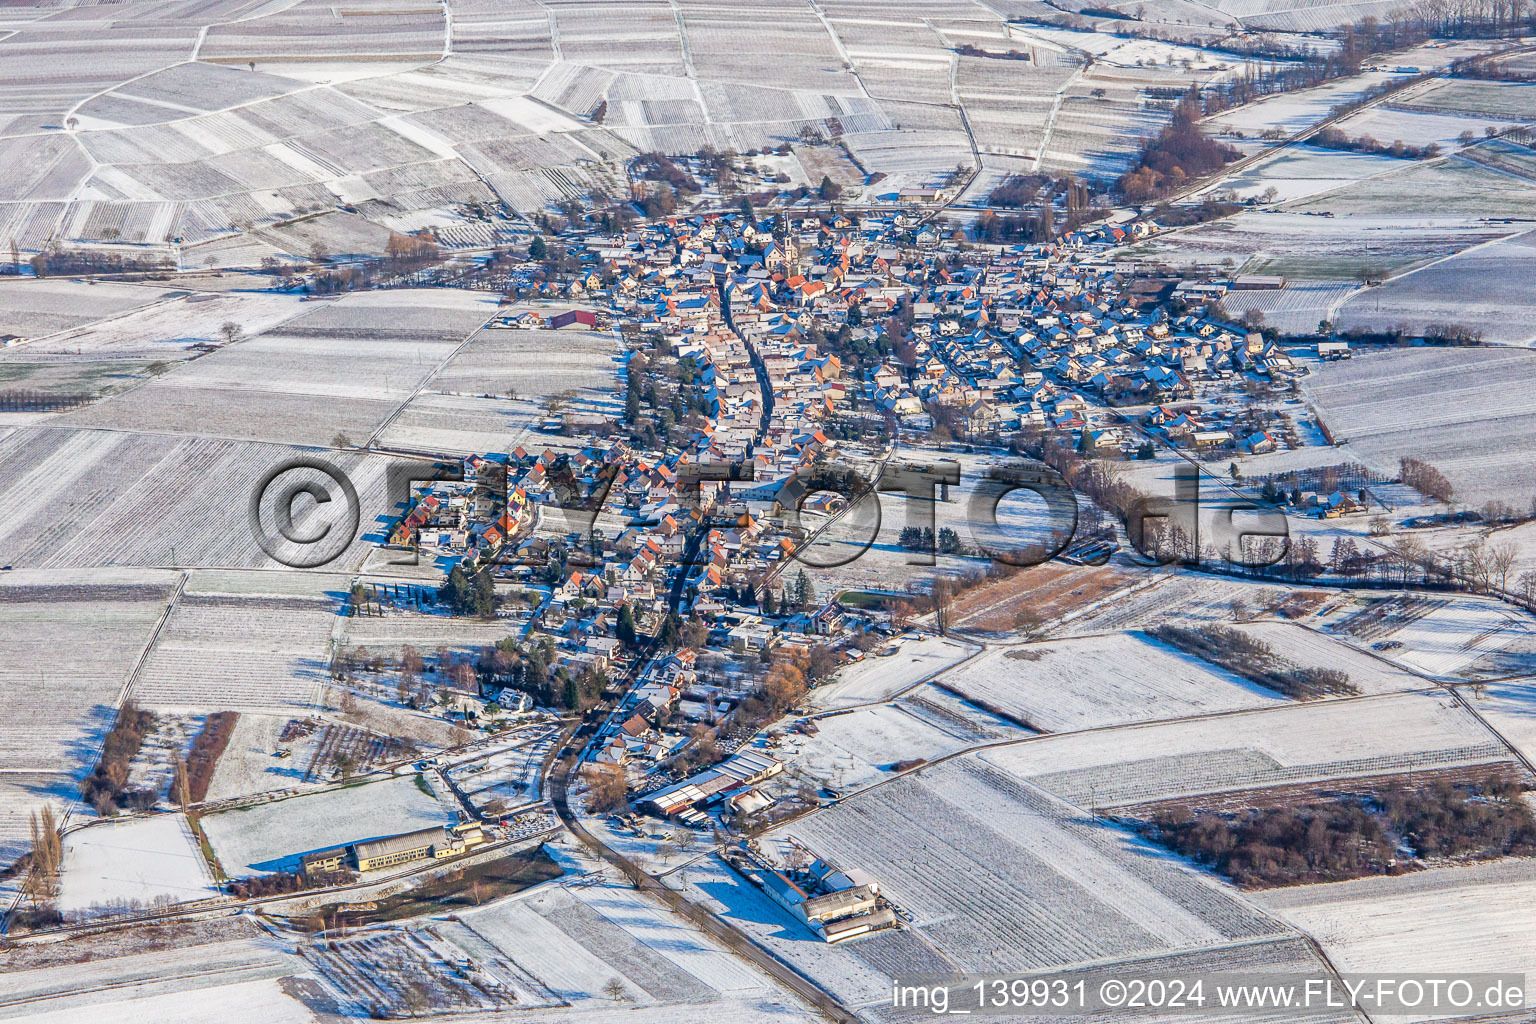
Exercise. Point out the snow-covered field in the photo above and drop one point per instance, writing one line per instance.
(1470, 412)
(1490, 289)
(1466, 188)
(339, 369)
(1368, 672)
(271, 837)
(1445, 921)
(877, 678)
(577, 940)
(1097, 681)
(244, 1002)
(71, 640)
(138, 860)
(77, 497)
(224, 647)
(1000, 877)
(854, 749)
(1297, 743)
(1446, 642)
(247, 766)
(1301, 245)
(1291, 112)
(35, 307)
(163, 330)
(1299, 172)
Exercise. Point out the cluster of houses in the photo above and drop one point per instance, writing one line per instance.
(779, 320)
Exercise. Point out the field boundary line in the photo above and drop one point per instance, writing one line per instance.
(422, 384)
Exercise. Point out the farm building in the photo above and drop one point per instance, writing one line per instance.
(575, 319)
(1258, 282)
(744, 768)
(323, 862)
(836, 915)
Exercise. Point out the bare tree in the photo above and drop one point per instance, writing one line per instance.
(1527, 585)
(614, 989)
(181, 784)
(684, 839)
(231, 332)
(42, 881)
(944, 592)
(1501, 560)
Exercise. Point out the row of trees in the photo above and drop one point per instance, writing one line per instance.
(1425, 479)
(1333, 138)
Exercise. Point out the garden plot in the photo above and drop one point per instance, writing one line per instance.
(880, 678)
(382, 972)
(32, 307)
(221, 651)
(72, 640)
(249, 766)
(1490, 289)
(89, 497)
(1447, 921)
(1470, 412)
(1301, 743)
(1001, 877)
(272, 837)
(1097, 681)
(164, 329)
(142, 861)
(154, 766)
(507, 778)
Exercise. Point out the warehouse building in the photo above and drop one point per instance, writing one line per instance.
(743, 769)
(433, 843)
